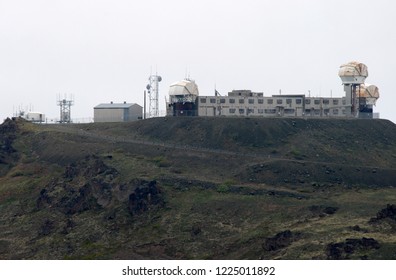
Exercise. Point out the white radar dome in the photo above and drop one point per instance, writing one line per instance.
(353, 73)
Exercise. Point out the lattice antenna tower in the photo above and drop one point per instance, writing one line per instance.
(153, 94)
(65, 104)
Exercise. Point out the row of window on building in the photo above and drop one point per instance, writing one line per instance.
(315, 112)
(271, 101)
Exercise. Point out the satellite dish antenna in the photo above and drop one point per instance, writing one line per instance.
(159, 78)
(148, 87)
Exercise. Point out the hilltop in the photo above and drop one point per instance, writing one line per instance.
(206, 188)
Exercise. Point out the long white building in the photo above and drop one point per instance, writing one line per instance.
(245, 103)
(358, 101)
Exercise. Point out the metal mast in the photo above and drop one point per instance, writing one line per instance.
(153, 93)
(65, 109)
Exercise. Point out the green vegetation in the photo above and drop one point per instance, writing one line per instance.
(247, 189)
(225, 187)
(161, 161)
(297, 154)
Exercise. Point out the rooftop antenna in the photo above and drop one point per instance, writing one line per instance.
(187, 75)
(216, 92)
(65, 108)
(153, 94)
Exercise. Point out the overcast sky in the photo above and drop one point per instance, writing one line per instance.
(101, 51)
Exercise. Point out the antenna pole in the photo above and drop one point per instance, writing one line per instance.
(65, 108)
(153, 93)
(144, 112)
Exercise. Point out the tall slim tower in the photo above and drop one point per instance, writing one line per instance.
(153, 94)
(65, 108)
(353, 75)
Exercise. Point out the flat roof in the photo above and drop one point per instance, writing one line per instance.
(289, 95)
(115, 105)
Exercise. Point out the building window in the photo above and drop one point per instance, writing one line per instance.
(335, 102)
(343, 102)
(270, 101)
(241, 101)
(260, 101)
(317, 112)
(343, 111)
(232, 100)
(307, 101)
(289, 111)
(298, 101)
(307, 112)
(250, 111)
(241, 111)
(326, 101)
(232, 110)
(222, 100)
(317, 101)
(326, 111)
(270, 111)
(212, 100)
(335, 111)
(279, 101)
(260, 111)
(288, 101)
(203, 100)
(251, 101)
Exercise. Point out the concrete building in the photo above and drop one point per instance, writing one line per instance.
(243, 103)
(183, 98)
(117, 112)
(37, 117)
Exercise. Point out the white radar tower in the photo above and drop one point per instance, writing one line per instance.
(153, 94)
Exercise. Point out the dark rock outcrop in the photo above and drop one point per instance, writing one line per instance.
(145, 198)
(8, 131)
(280, 240)
(67, 198)
(388, 213)
(47, 227)
(91, 167)
(84, 186)
(323, 210)
(8, 155)
(195, 230)
(343, 250)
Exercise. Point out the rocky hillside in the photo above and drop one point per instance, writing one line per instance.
(206, 188)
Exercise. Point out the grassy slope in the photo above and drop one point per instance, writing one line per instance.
(217, 205)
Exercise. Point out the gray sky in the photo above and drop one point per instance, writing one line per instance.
(102, 51)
